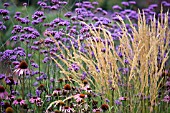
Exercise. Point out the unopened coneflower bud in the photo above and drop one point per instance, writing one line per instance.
(89, 95)
(66, 107)
(94, 103)
(61, 103)
(57, 111)
(104, 107)
(2, 89)
(97, 111)
(60, 80)
(41, 87)
(6, 105)
(85, 82)
(23, 65)
(50, 109)
(9, 110)
(19, 99)
(10, 81)
(67, 87)
(70, 77)
(25, 106)
(112, 88)
(82, 95)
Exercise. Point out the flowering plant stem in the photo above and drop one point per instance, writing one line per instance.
(23, 87)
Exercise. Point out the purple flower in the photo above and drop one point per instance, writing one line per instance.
(36, 100)
(11, 97)
(20, 53)
(166, 99)
(35, 22)
(122, 98)
(46, 59)
(48, 41)
(22, 69)
(125, 3)
(24, 4)
(42, 4)
(14, 57)
(38, 14)
(5, 18)
(35, 47)
(18, 14)
(78, 4)
(68, 14)
(67, 109)
(6, 5)
(54, 7)
(34, 65)
(19, 102)
(10, 81)
(38, 92)
(96, 110)
(79, 97)
(3, 93)
(132, 2)
(35, 83)
(104, 12)
(118, 102)
(95, 3)
(168, 83)
(167, 4)
(2, 27)
(4, 12)
(2, 76)
(99, 9)
(116, 7)
(57, 91)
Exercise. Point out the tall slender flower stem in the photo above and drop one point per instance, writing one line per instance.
(23, 87)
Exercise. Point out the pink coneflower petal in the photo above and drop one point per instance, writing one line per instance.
(22, 69)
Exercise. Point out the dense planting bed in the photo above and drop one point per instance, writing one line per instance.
(86, 60)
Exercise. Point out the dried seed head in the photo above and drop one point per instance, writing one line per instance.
(61, 103)
(50, 109)
(11, 81)
(70, 77)
(60, 80)
(25, 106)
(19, 99)
(57, 111)
(85, 82)
(104, 107)
(67, 87)
(89, 95)
(9, 110)
(2, 89)
(82, 95)
(66, 107)
(97, 111)
(23, 65)
(41, 87)
(94, 102)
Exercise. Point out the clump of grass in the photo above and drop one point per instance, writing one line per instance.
(144, 53)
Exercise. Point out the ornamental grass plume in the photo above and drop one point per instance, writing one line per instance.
(141, 54)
